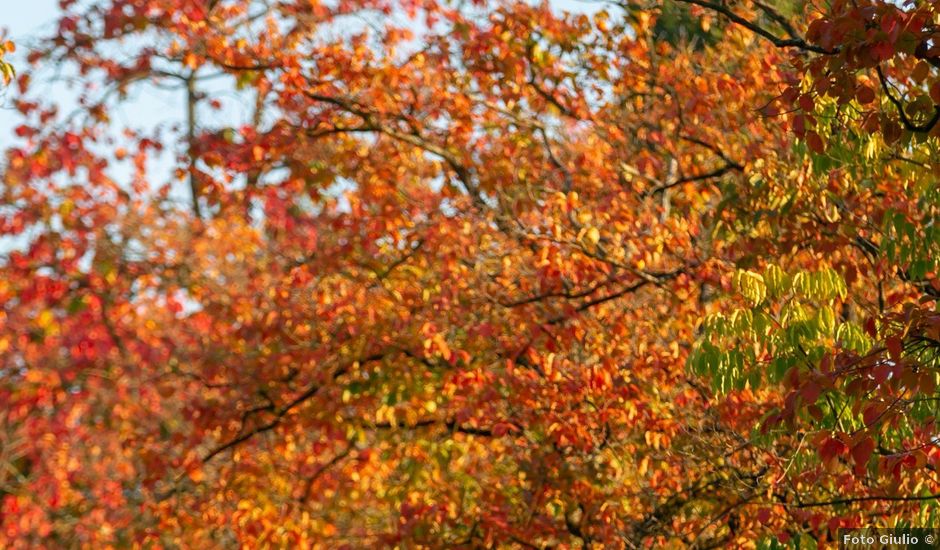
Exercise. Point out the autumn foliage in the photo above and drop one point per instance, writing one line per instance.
(433, 274)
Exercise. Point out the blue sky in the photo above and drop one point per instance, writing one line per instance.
(26, 20)
(146, 110)
(24, 25)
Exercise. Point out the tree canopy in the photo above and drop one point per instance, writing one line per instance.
(434, 274)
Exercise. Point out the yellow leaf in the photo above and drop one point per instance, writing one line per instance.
(45, 319)
(593, 235)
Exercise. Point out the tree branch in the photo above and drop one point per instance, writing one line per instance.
(798, 43)
(191, 99)
(282, 412)
(925, 127)
(866, 499)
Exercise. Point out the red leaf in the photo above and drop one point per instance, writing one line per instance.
(861, 452)
(815, 142)
(831, 449)
(882, 50)
(810, 393)
(807, 103)
(799, 125)
(880, 372)
(864, 95)
(872, 413)
(895, 347)
(935, 92)
(870, 327)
